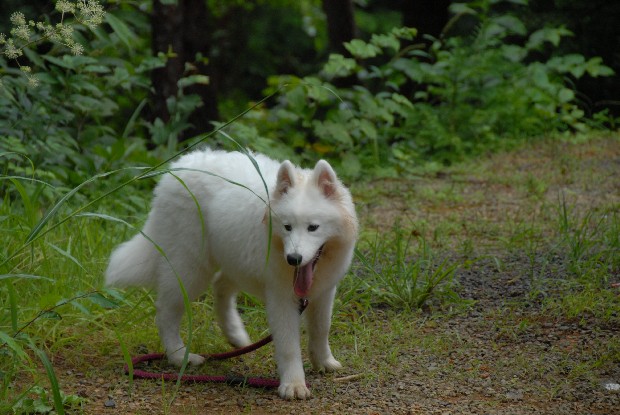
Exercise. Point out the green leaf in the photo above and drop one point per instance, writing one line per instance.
(461, 8)
(97, 69)
(552, 35)
(361, 49)
(63, 63)
(367, 129)
(67, 255)
(34, 57)
(411, 68)
(80, 307)
(102, 301)
(511, 23)
(514, 53)
(24, 276)
(58, 404)
(41, 224)
(566, 95)
(331, 131)
(122, 31)
(407, 33)
(339, 66)
(50, 315)
(13, 345)
(192, 80)
(386, 41)
(595, 68)
(317, 90)
(540, 76)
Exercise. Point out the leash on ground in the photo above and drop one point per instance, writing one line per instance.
(256, 382)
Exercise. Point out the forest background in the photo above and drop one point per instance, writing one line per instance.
(468, 78)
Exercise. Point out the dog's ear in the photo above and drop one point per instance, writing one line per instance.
(286, 177)
(325, 177)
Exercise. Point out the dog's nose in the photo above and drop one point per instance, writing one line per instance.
(294, 259)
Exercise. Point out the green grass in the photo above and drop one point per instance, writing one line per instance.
(424, 233)
(402, 272)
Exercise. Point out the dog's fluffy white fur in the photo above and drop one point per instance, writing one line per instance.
(211, 219)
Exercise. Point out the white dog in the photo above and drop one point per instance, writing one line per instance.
(211, 222)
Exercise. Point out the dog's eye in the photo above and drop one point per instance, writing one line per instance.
(312, 228)
(288, 227)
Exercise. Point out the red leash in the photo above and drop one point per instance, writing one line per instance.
(231, 380)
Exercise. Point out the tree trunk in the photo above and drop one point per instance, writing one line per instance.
(197, 40)
(428, 16)
(178, 30)
(166, 24)
(340, 24)
(341, 28)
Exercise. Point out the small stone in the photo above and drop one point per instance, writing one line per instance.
(514, 395)
(611, 386)
(110, 403)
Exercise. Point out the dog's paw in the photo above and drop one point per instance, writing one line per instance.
(177, 357)
(294, 390)
(327, 365)
(239, 339)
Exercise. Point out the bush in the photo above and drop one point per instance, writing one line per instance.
(78, 109)
(459, 96)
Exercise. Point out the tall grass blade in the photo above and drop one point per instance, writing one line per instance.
(67, 255)
(203, 231)
(132, 119)
(190, 329)
(249, 155)
(39, 226)
(13, 305)
(26, 200)
(25, 277)
(126, 357)
(28, 179)
(51, 375)
(9, 341)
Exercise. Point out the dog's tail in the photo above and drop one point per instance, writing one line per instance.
(133, 263)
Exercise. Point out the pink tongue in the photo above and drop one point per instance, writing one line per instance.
(303, 280)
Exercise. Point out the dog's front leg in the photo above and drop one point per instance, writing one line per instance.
(319, 313)
(284, 322)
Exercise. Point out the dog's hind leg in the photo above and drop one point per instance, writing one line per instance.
(170, 310)
(225, 302)
(171, 306)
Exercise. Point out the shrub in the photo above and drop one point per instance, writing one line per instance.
(77, 109)
(459, 96)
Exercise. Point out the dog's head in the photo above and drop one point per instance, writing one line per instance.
(310, 210)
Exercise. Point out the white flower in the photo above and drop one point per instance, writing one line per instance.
(11, 51)
(66, 32)
(92, 12)
(33, 81)
(76, 48)
(21, 32)
(18, 19)
(64, 6)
